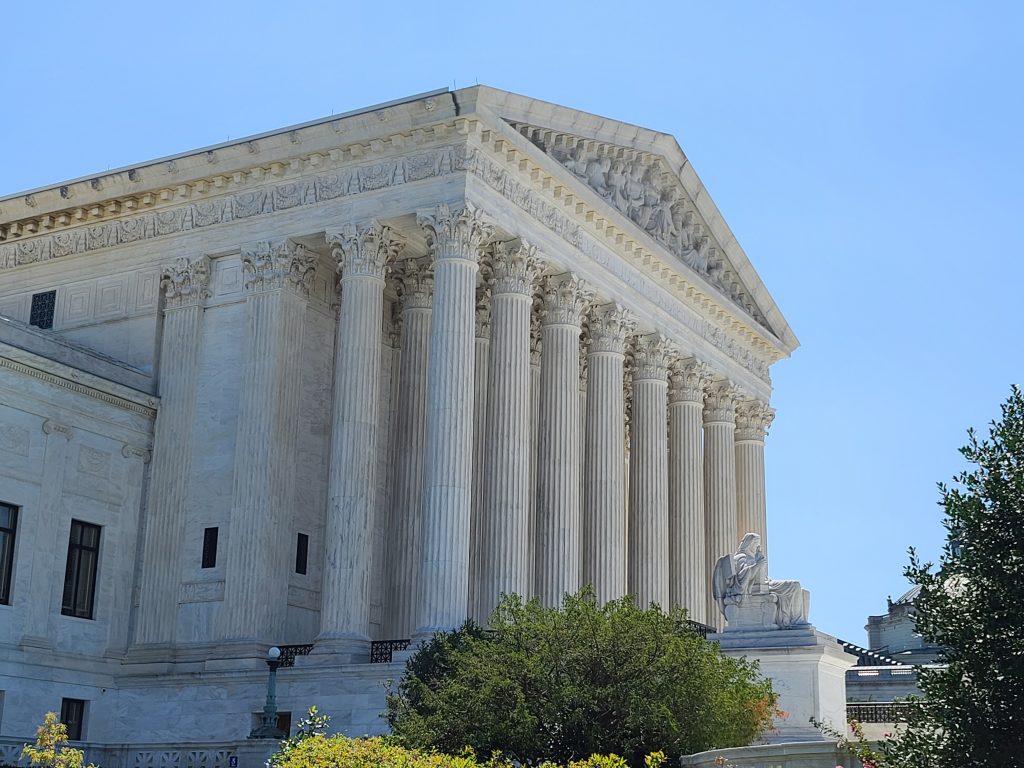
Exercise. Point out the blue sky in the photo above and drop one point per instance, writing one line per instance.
(867, 155)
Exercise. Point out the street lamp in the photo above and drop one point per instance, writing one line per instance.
(267, 728)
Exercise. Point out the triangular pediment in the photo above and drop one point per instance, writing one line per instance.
(660, 194)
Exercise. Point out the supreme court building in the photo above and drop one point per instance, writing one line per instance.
(349, 381)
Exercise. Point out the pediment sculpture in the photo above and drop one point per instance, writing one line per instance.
(749, 599)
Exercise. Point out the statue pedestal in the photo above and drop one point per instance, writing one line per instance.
(807, 669)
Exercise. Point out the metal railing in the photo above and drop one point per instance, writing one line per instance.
(289, 652)
(381, 650)
(877, 712)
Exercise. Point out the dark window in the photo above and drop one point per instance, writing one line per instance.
(72, 713)
(80, 574)
(8, 525)
(43, 305)
(210, 548)
(301, 553)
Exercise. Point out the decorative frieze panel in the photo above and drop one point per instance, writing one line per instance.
(201, 592)
(14, 439)
(243, 205)
(92, 461)
(642, 188)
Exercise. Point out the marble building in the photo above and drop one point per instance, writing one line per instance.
(349, 381)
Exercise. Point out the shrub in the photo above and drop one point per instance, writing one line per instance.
(562, 684)
(51, 749)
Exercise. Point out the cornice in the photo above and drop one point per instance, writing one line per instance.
(146, 405)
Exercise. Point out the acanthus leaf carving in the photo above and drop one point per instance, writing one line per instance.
(753, 418)
(275, 266)
(364, 249)
(610, 325)
(565, 299)
(513, 267)
(688, 381)
(720, 403)
(456, 232)
(185, 282)
(650, 355)
(414, 279)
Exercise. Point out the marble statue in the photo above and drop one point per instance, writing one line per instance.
(749, 599)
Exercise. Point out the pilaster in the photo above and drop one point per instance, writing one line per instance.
(185, 287)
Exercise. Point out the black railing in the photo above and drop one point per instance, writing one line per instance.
(701, 629)
(289, 652)
(381, 650)
(877, 712)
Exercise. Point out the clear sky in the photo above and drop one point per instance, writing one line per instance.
(867, 155)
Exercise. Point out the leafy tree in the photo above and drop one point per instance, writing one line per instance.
(563, 684)
(51, 749)
(311, 726)
(972, 709)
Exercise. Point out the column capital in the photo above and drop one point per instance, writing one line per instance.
(688, 380)
(185, 282)
(610, 324)
(651, 357)
(363, 249)
(720, 403)
(414, 279)
(455, 232)
(513, 267)
(535, 337)
(565, 298)
(753, 419)
(584, 369)
(272, 266)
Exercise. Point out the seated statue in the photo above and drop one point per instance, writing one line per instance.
(749, 599)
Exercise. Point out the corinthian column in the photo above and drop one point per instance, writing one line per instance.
(277, 280)
(558, 462)
(456, 235)
(185, 287)
(719, 479)
(689, 573)
(752, 421)
(362, 252)
(648, 483)
(504, 563)
(604, 509)
(415, 288)
(481, 345)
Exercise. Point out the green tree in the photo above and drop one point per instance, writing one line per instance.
(971, 712)
(563, 684)
(51, 749)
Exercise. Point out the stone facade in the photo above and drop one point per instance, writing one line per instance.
(399, 361)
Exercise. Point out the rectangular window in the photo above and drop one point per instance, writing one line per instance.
(210, 548)
(301, 553)
(80, 574)
(43, 304)
(8, 526)
(72, 713)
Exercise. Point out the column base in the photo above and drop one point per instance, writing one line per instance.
(344, 649)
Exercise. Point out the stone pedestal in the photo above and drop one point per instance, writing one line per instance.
(807, 669)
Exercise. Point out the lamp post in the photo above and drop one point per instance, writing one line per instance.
(267, 728)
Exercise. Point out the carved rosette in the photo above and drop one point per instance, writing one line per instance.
(688, 381)
(273, 266)
(753, 419)
(609, 325)
(651, 357)
(414, 279)
(565, 299)
(364, 249)
(456, 232)
(720, 402)
(186, 282)
(482, 316)
(514, 268)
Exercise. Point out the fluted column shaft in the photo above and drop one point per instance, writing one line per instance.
(255, 563)
(185, 288)
(689, 574)
(504, 564)
(648, 485)
(406, 528)
(362, 252)
(604, 513)
(482, 344)
(456, 236)
(719, 480)
(752, 421)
